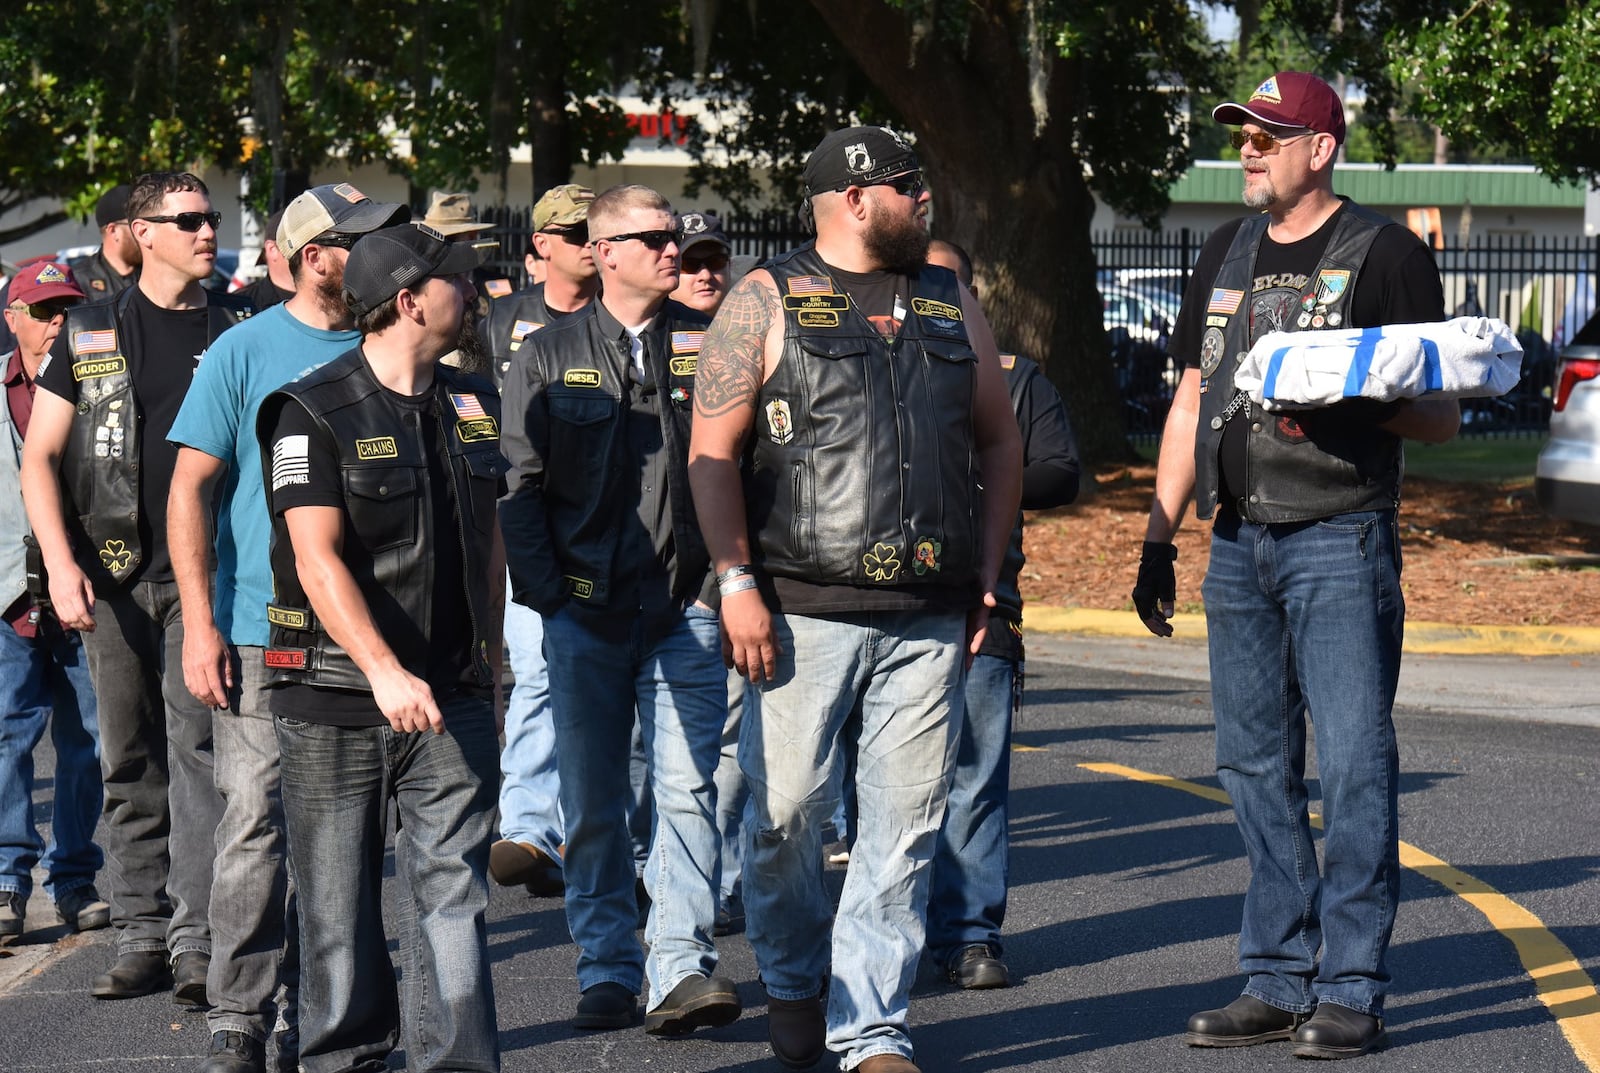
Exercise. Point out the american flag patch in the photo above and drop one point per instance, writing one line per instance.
(810, 285)
(101, 342)
(524, 328)
(467, 405)
(349, 193)
(1225, 302)
(497, 288)
(687, 342)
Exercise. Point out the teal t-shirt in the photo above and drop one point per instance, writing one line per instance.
(245, 365)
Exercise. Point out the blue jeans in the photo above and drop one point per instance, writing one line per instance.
(338, 783)
(530, 790)
(967, 903)
(1307, 619)
(678, 689)
(733, 796)
(895, 674)
(254, 946)
(40, 676)
(161, 802)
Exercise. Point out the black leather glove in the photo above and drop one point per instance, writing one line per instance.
(1156, 583)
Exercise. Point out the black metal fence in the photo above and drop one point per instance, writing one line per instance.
(1543, 287)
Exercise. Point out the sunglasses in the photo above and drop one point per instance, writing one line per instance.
(909, 185)
(44, 312)
(188, 221)
(1264, 142)
(715, 261)
(572, 236)
(654, 240)
(327, 238)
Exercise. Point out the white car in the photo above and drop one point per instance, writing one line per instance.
(1567, 475)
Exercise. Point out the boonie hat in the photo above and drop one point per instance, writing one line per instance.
(1289, 99)
(112, 206)
(857, 156)
(386, 262)
(562, 206)
(451, 214)
(42, 281)
(339, 208)
(700, 228)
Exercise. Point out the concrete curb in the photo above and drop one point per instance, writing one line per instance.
(1432, 638)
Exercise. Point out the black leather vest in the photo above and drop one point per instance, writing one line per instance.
(588, 500)
(98, 279)
(512, 320)
(1299, 465)
(100, 467)
(862, 468)
(389, 542)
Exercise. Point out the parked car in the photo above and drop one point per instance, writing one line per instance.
(1567, 475)
(1138, 321)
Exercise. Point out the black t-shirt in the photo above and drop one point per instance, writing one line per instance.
(1397, 284)
(449, 663)
(882, 298)
(163, 346)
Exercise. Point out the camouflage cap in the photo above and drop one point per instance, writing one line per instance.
(562, 206)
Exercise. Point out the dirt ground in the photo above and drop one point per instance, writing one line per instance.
(1475, 554)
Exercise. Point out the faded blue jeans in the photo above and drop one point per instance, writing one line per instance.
(968, 900)
(530, 789)
(44, 680)
(678, 688)
(895, 674)
(1306, 619)
(338, 784)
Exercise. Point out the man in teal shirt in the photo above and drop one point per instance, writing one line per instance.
(226, 625)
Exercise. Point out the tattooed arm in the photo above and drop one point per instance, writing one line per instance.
(739, 352)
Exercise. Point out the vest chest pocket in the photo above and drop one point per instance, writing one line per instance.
(484, 472)
(383, 506)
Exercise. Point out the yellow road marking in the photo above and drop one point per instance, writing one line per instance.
(1558, 979)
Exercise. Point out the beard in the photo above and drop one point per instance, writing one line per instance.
(1261, 196)
(898, 244)
(473, 356)
(329, 294)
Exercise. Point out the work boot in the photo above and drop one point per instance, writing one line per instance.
(234, 1052)
(13, 914)
(189, 971)
(82, 909)
(139, 972)
(697, 1002)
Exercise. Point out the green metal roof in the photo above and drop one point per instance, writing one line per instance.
(1215, 181)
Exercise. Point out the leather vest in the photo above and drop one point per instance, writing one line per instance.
(100, 467)
(390, 543)
(862, 468)
(1299, 465)
(512, 320)
(587, 501)
(98, 279)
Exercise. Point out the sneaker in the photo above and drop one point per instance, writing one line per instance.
(13, 911)
(976, 968)
(235, 1052)
(82, 909)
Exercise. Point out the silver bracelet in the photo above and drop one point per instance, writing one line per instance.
(742, 570)
(738, 583)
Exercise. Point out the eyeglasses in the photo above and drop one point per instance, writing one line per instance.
(1264, 142)
(655, 240)
(44, 312)
(689, 266)
(910, 185)
(188, 221)
(572, 236)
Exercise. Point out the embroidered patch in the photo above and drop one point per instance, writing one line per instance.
(882, 562)
(97, 284)
(1331, 284)
(92, 370)
(290, 659)
(50, 274)
(809, 285)
(687, 342)
(377, 447)
(524, 328)
(116, 556)
(477, 429)
(1210, 351)
(582, 378)
(837, 302)
(1008, 361)
(1224, 301)
(291, 461)
(1268, 91)
(467, 405)
(925, 555)
(683, 366)
(101, 342)
(290, 618)
(779, 427)
(582, 588)
(927, 307)
(349, 193)
(497, 288)
(817, 318)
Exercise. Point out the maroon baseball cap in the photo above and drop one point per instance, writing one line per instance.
(1291, 99)
(42, 281)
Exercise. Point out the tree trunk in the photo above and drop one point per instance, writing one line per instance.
(549, 132)
(1007, 188)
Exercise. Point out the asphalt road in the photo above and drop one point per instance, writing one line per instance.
(1125, 900)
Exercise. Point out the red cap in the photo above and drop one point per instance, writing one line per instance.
(42, 281)
(1289, 99)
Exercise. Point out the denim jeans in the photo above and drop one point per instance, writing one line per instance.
(677, 686)
(338, 783)
(254, 946)
(895, 675)
(733, 796)
(1307, 619)
(161, 804)
(530, 790)
(45, 680)
(967, 901)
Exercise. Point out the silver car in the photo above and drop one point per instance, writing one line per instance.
(1567, 475)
